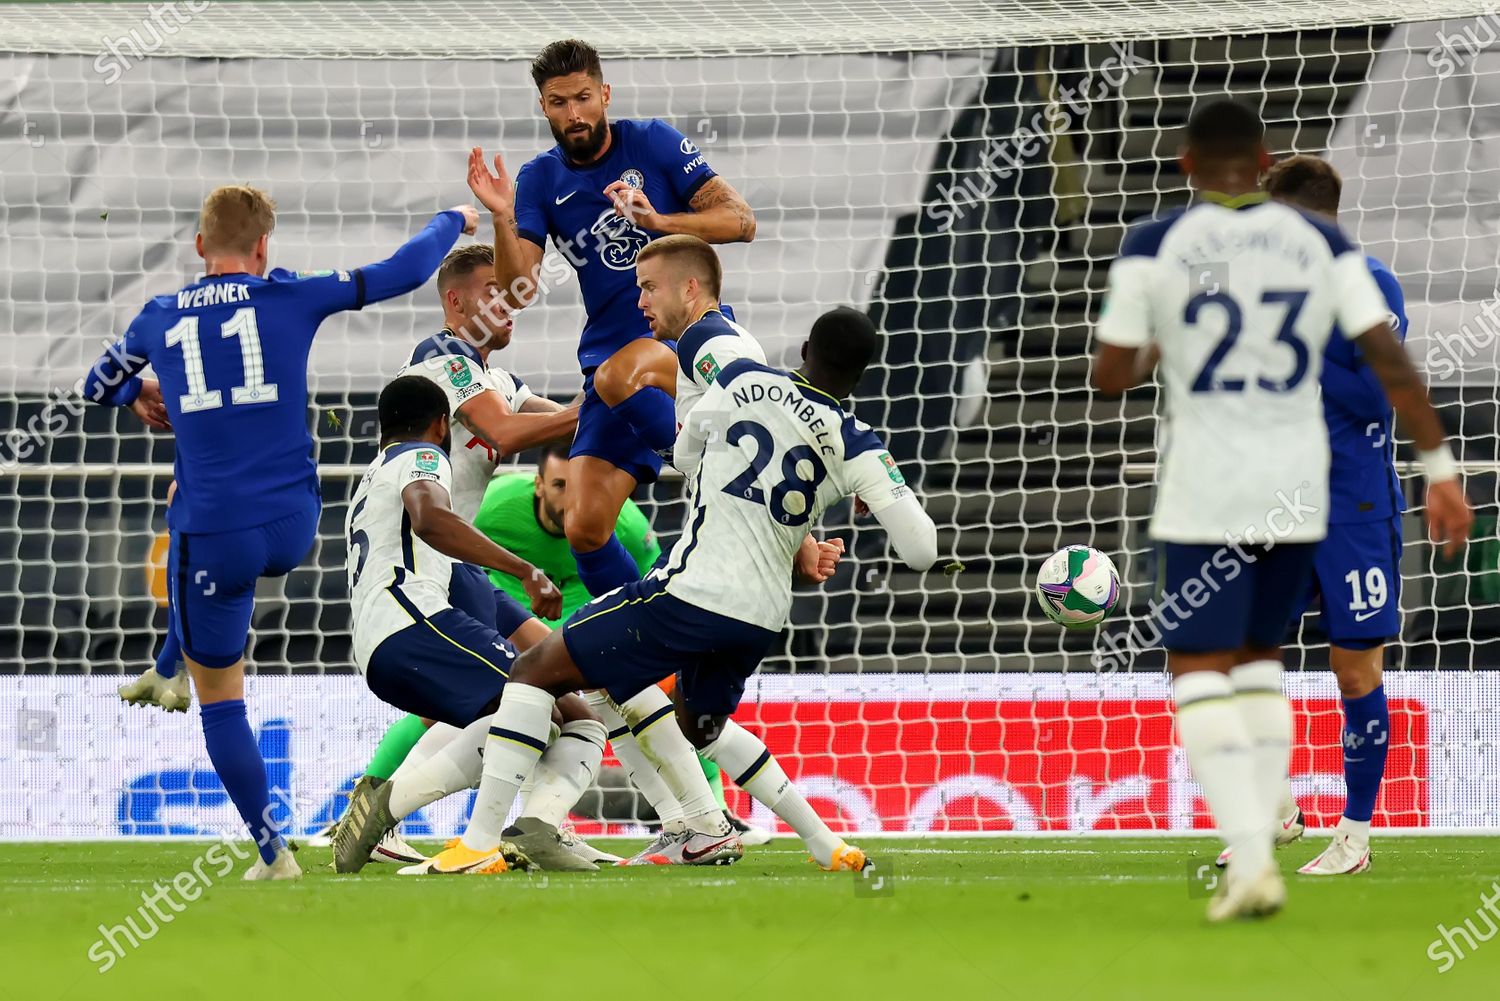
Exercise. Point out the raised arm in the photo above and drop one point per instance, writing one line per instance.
(436, 524)
(518, 258)
(417, 259)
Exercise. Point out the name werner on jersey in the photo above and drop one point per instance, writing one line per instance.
(213, 295)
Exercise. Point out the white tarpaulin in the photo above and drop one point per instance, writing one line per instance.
(1419, 149)
(101, 183)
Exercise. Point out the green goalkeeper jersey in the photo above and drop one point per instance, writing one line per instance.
(508, 516)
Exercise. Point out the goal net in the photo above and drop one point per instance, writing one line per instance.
(963, 170)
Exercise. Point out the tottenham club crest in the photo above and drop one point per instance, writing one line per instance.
(633, 178)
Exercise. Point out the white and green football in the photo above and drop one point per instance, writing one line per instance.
(1077, 587)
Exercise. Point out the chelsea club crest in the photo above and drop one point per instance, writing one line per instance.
(633, 177)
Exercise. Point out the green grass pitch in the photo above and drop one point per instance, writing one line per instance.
(976, 918)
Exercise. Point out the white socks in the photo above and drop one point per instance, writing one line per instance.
(1218, 747)
(642, 774)
(434, 740)
(452, 766)
(654, 722)
(744, 758)
(1268, 721)
(566, 769)
(517, 737)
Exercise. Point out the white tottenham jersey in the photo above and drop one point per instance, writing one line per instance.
(705, 348)
(389, 567)
(454, 366)
(1241, 302)
(769, 454)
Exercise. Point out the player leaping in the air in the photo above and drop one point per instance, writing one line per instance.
(230, 357)
(600, 194)
(1239, 294)
(1357, 568)
(768, 451)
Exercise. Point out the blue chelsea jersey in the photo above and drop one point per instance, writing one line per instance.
(230, 352)
(565, 201)
(1362, 481)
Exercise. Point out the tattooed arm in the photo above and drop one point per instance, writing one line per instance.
(719, 214)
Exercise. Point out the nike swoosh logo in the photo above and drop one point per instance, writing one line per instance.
(693, 856)
(559, 201)
(1362, 616)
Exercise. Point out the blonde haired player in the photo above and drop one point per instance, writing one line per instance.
(1239, 295)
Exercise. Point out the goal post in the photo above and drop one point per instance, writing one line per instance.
(964, 170)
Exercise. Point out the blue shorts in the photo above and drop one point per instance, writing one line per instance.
(1212, 600)
(448, 666)
(636, 635)
(471, 591)
(211, 578)
(605, 435)
(1357, 573)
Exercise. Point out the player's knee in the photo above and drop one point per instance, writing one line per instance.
(639, 364)
(587, 529)
(571, 708)
(701, 729)
(1357, 671)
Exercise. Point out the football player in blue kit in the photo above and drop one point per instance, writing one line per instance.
(599, 195)
(1357, 569)
(230, 357)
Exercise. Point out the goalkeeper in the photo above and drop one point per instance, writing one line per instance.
(524, 514)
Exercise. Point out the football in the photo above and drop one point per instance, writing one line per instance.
(1077, 587)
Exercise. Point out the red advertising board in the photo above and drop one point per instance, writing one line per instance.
(1076, 764)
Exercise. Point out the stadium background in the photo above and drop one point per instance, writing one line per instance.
(898, 179)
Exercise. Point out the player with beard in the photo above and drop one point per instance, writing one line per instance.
(600, 195)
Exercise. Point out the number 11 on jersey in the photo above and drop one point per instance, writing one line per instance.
(199, 397)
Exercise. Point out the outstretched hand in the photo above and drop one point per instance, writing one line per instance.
(496, 192)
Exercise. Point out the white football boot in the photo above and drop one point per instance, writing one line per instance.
(1346, 855)
(1292, 826)
(697, 848)
(750, 835)
(173, 694)
(570, 840)
(652, 852)
(284, 866)
(1241, 896)
(393, 849)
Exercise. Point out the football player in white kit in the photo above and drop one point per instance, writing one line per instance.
(495, 415)
(1239, 294)
(421, 651)
(768, 452)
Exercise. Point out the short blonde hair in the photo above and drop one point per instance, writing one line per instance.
(698, 254)
(235, 217)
